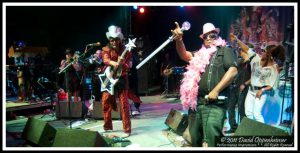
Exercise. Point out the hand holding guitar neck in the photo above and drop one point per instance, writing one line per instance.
(114, 64)
(121, 61)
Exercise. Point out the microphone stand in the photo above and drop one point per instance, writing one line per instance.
(65, 70)
(83, 79)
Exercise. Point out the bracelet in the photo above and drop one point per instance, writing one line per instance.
(263, 89)
(245, 84)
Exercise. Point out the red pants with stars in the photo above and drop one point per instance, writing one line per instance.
(109, 104)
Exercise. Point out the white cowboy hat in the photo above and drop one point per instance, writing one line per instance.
(114, 32)
(209, 27)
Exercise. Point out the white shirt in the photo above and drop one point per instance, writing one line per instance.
(262, 76)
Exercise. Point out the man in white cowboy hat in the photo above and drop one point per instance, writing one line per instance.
(210, 71)
(111, 57)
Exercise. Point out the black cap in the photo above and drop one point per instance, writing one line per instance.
(68, 50)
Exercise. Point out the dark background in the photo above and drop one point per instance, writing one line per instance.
(59, 27)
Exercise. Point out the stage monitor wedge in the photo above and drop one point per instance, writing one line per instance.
(177, 121)
(78, 138)
(39, 133)
(249, 127)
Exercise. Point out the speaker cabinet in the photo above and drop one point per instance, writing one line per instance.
(39, 133)
(97, 112)
(249, 127)
(78, 138)
(177, 121)
(62, 109)
(186, 135)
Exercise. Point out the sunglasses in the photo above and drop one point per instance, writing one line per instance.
(210, 36)
(114, 39)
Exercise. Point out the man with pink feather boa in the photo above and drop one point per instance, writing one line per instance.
(209, 73)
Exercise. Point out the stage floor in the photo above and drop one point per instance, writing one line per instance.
(149, 130)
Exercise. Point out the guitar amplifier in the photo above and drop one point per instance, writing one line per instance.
(97, 112)
(62, 109)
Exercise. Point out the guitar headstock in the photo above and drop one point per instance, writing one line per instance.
(130, 44)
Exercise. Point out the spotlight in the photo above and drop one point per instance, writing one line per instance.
(142, 10)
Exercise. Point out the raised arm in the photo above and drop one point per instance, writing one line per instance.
(243, 46)
(181, 50)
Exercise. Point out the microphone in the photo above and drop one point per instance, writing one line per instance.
(219, 97)
(94, 44)
(185, 26)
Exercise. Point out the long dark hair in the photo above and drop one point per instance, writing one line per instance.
(277, 52)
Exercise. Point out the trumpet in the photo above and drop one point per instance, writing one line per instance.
(68, 61)
(75, 58)
(94, 59)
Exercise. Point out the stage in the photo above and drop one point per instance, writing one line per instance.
(148, 129)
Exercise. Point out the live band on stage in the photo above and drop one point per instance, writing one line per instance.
(108, 74)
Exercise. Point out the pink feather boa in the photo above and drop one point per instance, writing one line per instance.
(189, 84)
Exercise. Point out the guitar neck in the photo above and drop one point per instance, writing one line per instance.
(124, 53)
